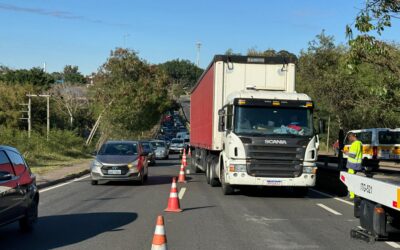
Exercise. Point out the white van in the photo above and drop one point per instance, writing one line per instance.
(378, 144)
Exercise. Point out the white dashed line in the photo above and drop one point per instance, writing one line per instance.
(328, 209)
(392, 244)
(331, 196)
(181, 193)
(63, 184)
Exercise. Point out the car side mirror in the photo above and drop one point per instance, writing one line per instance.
(5, 176)
(94, 153)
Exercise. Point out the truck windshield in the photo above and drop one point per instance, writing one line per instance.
(259, 121)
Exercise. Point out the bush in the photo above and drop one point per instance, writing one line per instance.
(63, 145)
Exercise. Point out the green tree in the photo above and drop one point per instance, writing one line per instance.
(372, 20)
(362, 98)
(182, 75)
(34, 76)
(72, 75)
(130, 94)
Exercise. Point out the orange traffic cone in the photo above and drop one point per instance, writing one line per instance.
(181, 177)
(190, 153)
(173, 201)
(184, 162)
(159, 238)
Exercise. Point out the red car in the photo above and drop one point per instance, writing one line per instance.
(19, 196)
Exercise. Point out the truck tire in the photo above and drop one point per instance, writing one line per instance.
(226, 188)
(208, 173)
(213, 180)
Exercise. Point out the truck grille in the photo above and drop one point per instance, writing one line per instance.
(124, 169)
(274, 161)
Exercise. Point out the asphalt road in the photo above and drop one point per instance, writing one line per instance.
(122, 216)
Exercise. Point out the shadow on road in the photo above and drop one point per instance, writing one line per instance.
(195, 208)
(276, 192)
(63, 230)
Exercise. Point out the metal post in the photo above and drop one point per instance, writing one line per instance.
(48, 116)
(198, 45)
(327, 136)
(29, 117)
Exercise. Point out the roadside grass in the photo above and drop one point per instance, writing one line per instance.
(63, 148)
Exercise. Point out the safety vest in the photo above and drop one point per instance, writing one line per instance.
(355, 155)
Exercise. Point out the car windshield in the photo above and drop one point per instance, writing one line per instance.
(177, 141)
(389, 137)
(118, 149)
(260, 121)
(158, 144)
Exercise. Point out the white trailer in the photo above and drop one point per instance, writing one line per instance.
(377, 202)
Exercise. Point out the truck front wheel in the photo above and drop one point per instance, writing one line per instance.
(226, 188)
(213, 181)
(208, 173)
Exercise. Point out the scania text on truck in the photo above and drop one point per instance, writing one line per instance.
(250, 127)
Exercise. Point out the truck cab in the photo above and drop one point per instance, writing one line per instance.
(268, 139)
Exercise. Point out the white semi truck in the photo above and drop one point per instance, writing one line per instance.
(248, 125)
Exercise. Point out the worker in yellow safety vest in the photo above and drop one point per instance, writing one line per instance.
(354, 157)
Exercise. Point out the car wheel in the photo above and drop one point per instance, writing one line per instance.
(142, 178)
(94, 183)
(26, 224)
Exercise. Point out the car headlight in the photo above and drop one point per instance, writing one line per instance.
(133, 164)
(237, 168)
(96, 163)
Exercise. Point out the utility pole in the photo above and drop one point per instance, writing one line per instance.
(198, 45)
(126, 36)
(29, 113)
(29, 117)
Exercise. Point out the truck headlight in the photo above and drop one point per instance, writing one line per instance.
(237, 168)
(309, 170)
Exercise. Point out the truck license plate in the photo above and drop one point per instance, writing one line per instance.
(114, 171)
(273, 183)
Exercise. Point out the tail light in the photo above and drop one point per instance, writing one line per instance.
(375, 152)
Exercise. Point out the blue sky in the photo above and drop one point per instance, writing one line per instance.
(83, 32)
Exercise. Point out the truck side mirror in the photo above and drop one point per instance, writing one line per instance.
(221, 120)
(321, 126)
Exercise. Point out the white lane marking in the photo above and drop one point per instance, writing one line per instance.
(63, 184)
(392, 244)
(328, 209)
(331, 196)
(181, 193)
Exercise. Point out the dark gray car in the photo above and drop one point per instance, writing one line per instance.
(120, 161)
